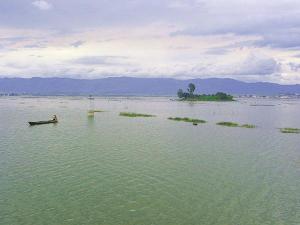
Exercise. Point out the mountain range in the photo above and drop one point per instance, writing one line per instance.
(138, 86)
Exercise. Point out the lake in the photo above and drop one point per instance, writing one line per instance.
(115, 170)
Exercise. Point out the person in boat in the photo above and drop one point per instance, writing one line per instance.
(54, 118)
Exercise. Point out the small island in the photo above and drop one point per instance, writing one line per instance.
(190, 96)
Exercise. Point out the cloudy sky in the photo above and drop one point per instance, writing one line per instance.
(250, 40)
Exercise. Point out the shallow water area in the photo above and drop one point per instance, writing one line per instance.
(118, 170)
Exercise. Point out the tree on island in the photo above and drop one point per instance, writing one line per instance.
(190, 96)
(180, 93)
(222, 96)
(191, 89)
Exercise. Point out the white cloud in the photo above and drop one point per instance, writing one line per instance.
(185, 4)
(138, 53)
(42, 5)
(255, 64)
(77, 44)
(249, 39)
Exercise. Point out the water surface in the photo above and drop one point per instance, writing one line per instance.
(115, 170)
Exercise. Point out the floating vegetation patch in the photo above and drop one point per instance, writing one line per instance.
(231, 124)
(98, 111)
(188, 120)
(130, 114)
(289, 130)
(228, 124)
(261, 105)
(248, 126)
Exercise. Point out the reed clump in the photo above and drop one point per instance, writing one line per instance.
(98, 111)
(232, 124)
(228, 124)
(289, 130)
(186, 119)
(131, 114)
(250, 126)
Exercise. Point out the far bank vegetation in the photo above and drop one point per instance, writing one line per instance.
(189, 95)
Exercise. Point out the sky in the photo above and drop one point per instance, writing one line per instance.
(248, 40)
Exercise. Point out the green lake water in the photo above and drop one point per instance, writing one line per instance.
(114, 170)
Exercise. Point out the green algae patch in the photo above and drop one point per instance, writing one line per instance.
(130, 114)
(228, 124)
(289, 130)
(232, 124)
(98, 111)
(250, 126)
(188, 120)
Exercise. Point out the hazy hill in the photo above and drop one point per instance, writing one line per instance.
(137, 86)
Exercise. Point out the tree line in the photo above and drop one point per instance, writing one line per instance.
(189, 95)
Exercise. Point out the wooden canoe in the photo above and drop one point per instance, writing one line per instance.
(42, 122)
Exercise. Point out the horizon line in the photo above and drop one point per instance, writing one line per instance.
(132, 77)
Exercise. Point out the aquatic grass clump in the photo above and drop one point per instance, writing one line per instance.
(250, 126)
(188, 120)
(231, 124)
(130, 114)
(289, 130)
(228, 124)
(98, 111)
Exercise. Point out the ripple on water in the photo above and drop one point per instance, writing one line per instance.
(113, 170)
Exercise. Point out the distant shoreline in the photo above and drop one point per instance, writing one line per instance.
(171, 98)
(130, 86)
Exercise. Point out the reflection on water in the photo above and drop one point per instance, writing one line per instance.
(90, 121)
(109, 169)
